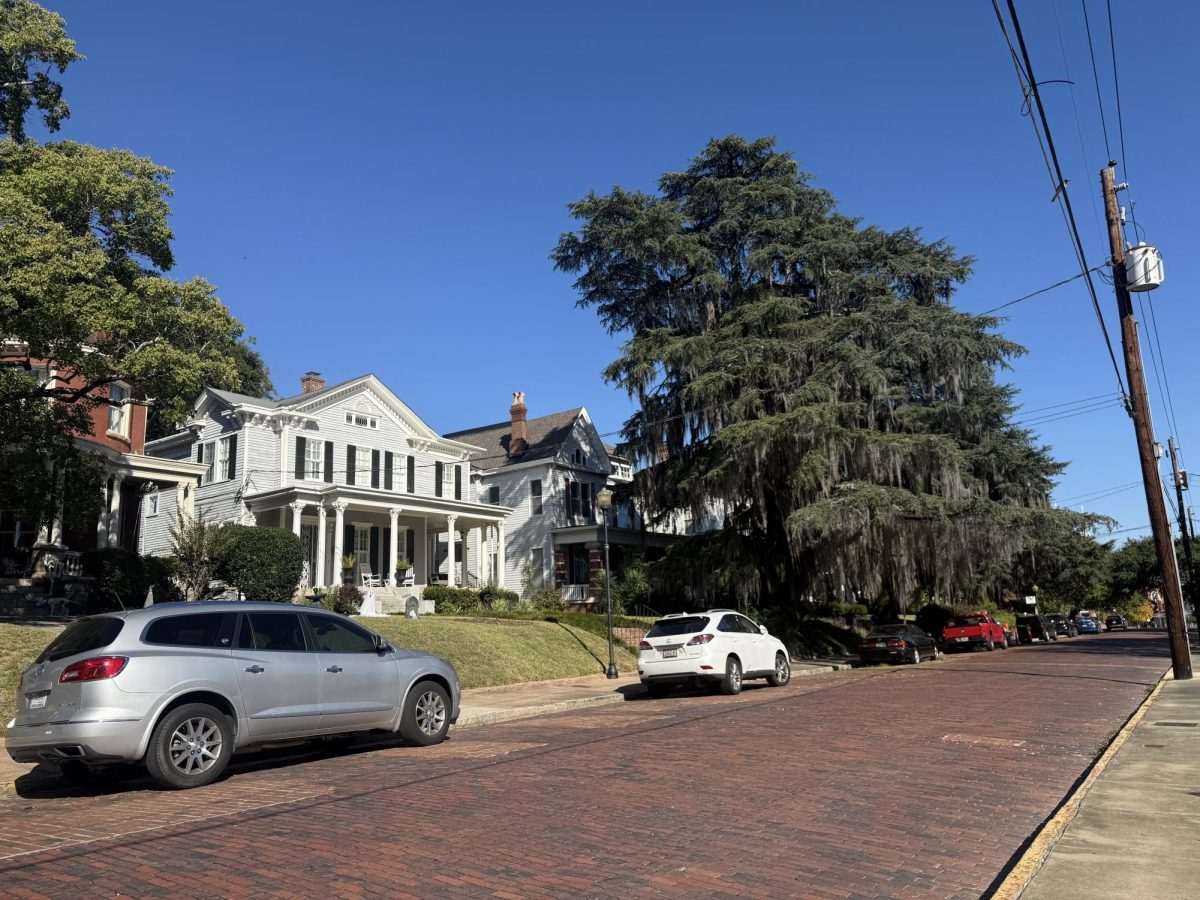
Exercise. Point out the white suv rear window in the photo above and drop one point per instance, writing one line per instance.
(673, 627)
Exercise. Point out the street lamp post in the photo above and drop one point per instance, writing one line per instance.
(604, 501)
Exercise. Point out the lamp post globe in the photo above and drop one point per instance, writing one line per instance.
(604, 499)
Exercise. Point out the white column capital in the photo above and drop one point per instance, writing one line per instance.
(451, 520)
(394, 514)
(297, 506)
(339, 507)
(322, 512)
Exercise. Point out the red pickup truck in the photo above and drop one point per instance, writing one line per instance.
(977, 629)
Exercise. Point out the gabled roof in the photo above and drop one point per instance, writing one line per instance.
(546, 436)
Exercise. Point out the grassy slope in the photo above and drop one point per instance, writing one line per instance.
(485, 652)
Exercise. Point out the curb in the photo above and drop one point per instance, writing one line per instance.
(473, 720)
(1023, 872)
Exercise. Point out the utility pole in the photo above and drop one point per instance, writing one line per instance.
(1177, 636)
(1180, 479)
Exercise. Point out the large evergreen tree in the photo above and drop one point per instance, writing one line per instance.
(809, 374)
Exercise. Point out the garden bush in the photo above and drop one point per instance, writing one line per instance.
(453, 601)
(548, 599)
(120, 579)
(160, 575)
(345, 599)
(262, 563)
(494, 597)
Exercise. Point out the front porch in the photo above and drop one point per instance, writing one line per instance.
(579, 555)
(446, 541)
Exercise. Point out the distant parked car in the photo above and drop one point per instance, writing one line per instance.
(1034, 628)
(897, 643)
(1116, 623)
(719, 647)
(1087, 625)
(182, 686)
(1062, 625)
(978, 629)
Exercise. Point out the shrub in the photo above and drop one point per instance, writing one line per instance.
(263, 563)
(120, 579)
(453, 601)
(345, 599)
(198, 547)
(548, 599)
(160, 575)
(496, 598)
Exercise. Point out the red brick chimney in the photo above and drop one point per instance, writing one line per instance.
(311, 381)
(518, 441)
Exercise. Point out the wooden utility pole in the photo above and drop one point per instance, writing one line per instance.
(1180, 486)
(1181, 657)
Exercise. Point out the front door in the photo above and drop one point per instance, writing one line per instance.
(278, 676)
(308, 537)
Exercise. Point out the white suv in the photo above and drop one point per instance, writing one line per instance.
(720, 646)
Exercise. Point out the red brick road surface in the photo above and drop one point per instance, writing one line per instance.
(915, 782)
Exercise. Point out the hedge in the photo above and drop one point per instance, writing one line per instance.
(262, 563)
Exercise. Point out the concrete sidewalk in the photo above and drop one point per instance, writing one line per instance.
(484, 706)
(1137, 830)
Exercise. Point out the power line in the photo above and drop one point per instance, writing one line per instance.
(1096, 77)
(1112, 43)
(1099, 493)
(1127, 530)
(1061, 194)
(1030, 296)
(1070, 403)
(1046, 420)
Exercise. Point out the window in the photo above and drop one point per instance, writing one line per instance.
(676, 627)
(537, 566)
(200, 630)
(585, 499)
(359, 420)
(493, 495)
(272, 631)
(535, 497)
(577, 457)
(222, 473)
(335, 636)
(204, 456)
(314, 454)
(82, 636)
(152, 502)
(118, 416)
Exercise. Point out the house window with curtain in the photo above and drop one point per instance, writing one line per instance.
(314, 456)
(222, 471)
(118, 416)
(535, 497)
(363, 465)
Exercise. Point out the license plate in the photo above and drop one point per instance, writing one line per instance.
(38, 702)
(880, 644)
(669, 654)
(960, 638)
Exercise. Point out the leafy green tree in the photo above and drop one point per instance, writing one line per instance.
(1070, 567)
(31, 35)
(808, 374)
(198, 548)
(85, 247)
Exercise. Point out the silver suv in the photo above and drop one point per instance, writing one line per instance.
(181, 686)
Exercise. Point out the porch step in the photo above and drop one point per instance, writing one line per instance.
(394, 601)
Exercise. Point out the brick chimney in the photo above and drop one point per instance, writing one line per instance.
(312, 381)
(518, 441)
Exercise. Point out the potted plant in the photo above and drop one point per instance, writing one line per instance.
(402, 567)
(349, 561)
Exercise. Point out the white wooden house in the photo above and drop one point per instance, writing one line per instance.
(351, 470)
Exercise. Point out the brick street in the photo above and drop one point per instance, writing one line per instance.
(915, 782)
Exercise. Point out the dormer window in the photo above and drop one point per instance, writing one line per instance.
(577, 457)
(361, 420)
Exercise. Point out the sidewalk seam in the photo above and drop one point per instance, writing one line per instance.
(1051, 831)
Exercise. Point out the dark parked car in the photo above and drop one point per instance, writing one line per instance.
(1116, 623)
(1034, 628)
(1062, 625)
(898, 643)
(1087, 625)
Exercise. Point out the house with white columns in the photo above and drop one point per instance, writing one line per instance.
(352, 470)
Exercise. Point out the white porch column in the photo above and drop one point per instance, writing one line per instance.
(319, 575)
(420, 553)
(393, 515)
(297, 508)
(339, 510)
(501, 562)
(102, 519)
(114, 515)
(450, 535)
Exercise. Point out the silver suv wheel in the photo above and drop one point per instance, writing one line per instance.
(195, 746)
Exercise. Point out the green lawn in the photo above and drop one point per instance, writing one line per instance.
(485, 652)
(19, 646)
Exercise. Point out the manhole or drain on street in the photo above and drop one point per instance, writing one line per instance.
(1178, 724)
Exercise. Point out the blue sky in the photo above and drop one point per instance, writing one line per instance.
(375, 186)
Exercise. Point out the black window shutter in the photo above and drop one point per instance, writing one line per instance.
(412, 475)
(375, 550)
(439, 471)
(374, 468)
(233, 456)
(458, 482)
(200, 451)
(494, 495)
(388, 462)
(410, 546)
(329, 461)
(386, 568)
(351, 462)
(347, 542)
(299, 458)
